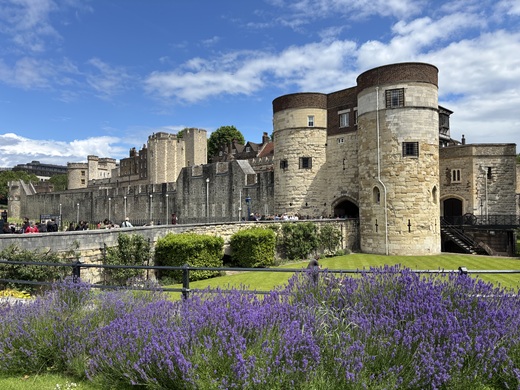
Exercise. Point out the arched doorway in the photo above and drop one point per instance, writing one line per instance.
(452, 210)
(346, 209)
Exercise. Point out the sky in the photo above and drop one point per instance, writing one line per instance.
(97, 77)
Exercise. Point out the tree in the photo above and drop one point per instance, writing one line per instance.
(7, 176)
(59, 182)
(518, 158)
(222, 136)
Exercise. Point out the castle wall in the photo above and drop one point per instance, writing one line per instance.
(488, 182)
(398, 199)
(223, 198)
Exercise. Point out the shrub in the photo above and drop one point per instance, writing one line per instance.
(298, 240)
(36, 273)
(131, 249)
(329, 238)
(196, 250)
(253, 247)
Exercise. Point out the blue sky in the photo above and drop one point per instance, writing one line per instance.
(80, 77)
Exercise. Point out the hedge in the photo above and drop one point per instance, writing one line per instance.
(195, 250)
(253, 248)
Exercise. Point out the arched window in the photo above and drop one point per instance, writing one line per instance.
(376, 194)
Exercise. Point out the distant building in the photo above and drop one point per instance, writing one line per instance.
(43, 171)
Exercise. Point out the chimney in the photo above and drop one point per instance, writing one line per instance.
(463, 140)
(265, 138)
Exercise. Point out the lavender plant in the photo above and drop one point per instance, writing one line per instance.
(387, 329)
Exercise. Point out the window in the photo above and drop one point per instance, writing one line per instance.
(376, 195)
(355, 116)
(283, 164)
(310, 120)
(343, 120)
(248, 149)
(455, 175)
(340, 140)
(394, 98)
(410, 149)
(305, 162)
(82, 173)
(82, 181)
(489, 175)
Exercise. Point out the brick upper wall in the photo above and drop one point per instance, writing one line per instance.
(398, 73)
(300, 100)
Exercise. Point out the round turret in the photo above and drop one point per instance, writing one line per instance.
(398, 135)
(300, 139)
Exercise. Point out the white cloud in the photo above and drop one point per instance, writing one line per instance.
(107, 80)
(246, 72)
(15, 149)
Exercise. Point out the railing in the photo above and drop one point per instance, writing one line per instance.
(497, 220)
(185, 290)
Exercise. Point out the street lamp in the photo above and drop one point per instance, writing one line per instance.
(77, 214)
(124, 197)
(167, 223)
(61, 219)
(109, 199)
(151, 208)
(240, 207)
(207, 200)
(248, 203)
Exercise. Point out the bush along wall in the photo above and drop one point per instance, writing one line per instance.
(196, 250)
(298, 240)
(131, 249)
(253, 248)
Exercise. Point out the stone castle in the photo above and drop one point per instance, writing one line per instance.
(379, 152)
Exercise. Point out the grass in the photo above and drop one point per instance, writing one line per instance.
(265, 281)
(43, 382)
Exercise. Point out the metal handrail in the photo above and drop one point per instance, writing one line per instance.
(185, 290)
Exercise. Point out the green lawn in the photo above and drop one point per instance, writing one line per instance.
(43, 382)
(264, 281)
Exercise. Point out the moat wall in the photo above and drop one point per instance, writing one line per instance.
(89, 245)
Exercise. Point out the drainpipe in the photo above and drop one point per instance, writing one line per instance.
(379, 171)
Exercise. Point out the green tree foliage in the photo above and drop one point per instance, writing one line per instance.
(7, 176)
(59, 182)
(222, 136)
(131, 249)
(253, 248)
(298, 240)
(518, 158)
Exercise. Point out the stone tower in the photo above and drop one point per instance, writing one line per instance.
(77, 175)
(398, 159)
(165, 157)
(196, 144)
(300, 139)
